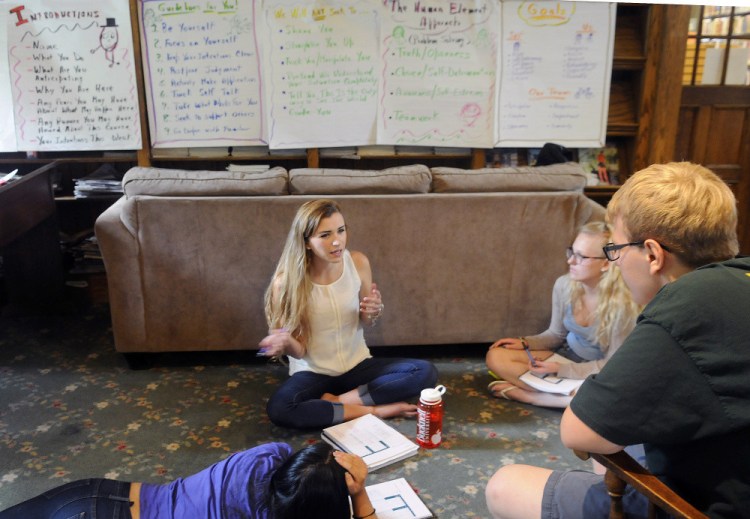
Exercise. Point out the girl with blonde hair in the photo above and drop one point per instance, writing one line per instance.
(592, 313)
(320, 296)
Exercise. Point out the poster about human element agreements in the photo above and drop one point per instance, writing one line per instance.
(556, 65)
(72, 75)
(438, 83)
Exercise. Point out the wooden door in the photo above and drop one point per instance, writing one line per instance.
(714, 130)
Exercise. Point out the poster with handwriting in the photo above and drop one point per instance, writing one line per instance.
(438, 83)
(7, 127)
(322, 73)
(555, 92)
(72, 75)
(203, 82)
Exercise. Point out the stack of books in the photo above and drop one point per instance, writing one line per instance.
(87, 258)
(104, 182)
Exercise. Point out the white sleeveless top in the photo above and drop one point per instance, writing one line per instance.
(336, 342)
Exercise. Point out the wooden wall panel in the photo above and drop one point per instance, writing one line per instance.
(714, 130)
(723, 143)
(662, 84)
(684, 140)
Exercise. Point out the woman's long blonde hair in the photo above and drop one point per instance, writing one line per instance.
(291, 280)
(616, 311)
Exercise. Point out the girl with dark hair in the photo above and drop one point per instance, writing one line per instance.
(265, 482)
(318, 482)
(318, 300)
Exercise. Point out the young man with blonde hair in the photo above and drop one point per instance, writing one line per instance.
(679, 383)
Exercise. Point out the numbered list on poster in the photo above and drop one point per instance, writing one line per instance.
(202, 73)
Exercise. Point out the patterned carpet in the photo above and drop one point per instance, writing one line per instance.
(71, 408)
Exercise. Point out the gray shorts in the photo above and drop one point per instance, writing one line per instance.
(576, 494)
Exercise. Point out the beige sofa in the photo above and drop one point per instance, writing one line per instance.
(461, 256)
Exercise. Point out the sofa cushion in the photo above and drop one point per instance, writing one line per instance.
(403, 179)
(179, 182)
(568, 176)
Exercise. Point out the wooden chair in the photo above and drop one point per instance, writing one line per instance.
(622, 470)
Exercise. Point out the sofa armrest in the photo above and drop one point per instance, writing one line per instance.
(119, 249)
(591, 210)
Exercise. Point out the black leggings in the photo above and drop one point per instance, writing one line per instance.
(82, 499)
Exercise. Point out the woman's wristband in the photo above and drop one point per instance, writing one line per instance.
(374, 318)
(363, 516)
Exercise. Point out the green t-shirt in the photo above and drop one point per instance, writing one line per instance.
(680, 384)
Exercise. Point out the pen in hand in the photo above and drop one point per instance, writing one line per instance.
(528, 352)
(267, 345)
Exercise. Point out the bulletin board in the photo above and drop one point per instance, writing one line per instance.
(298, 74)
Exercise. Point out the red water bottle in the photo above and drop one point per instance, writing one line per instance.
(430, 417)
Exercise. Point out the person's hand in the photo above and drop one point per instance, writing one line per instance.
(356, 471)
(372, 305)
(543, 366)
(275, 343)
(509, 343)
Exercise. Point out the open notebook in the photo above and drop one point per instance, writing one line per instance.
(397, 500)
(370, 438)
(549, 384)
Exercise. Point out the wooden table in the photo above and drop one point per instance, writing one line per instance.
(30, 243)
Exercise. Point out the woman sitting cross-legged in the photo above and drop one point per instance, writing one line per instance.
(266, 482)
(592, 313)
(320, 296)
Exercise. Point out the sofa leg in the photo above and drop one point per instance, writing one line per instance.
(138, 361)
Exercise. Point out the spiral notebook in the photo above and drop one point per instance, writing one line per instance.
(370, 438)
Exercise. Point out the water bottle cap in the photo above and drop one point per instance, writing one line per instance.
(432, 394)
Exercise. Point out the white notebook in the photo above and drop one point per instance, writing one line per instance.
(370, 438)
(561, 386)
(397, 500)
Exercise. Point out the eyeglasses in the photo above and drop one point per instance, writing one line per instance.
(612, 251)
(570, 253)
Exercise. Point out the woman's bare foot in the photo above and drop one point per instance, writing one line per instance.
(393, 410)
(329, 397)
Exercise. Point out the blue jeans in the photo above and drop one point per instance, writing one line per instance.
(379, 381)
(82, 499)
